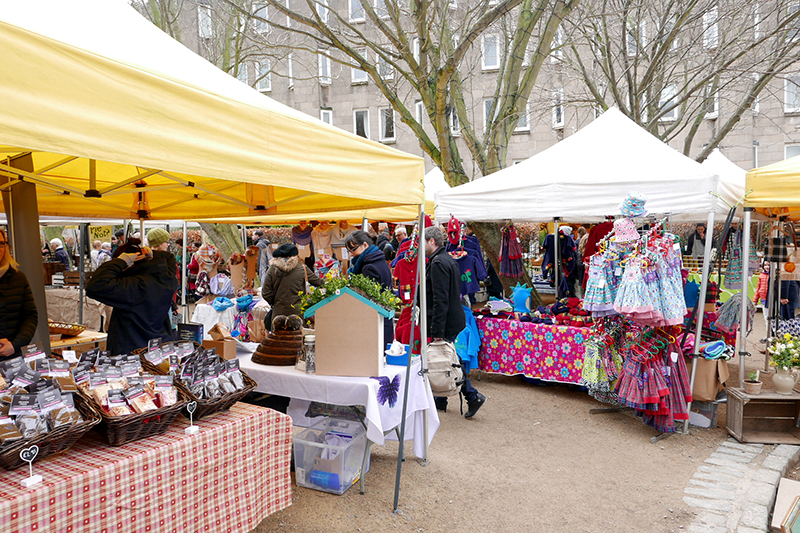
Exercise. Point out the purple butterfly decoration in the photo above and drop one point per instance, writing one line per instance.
(388, 390)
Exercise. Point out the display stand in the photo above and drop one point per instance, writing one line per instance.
(766, 418)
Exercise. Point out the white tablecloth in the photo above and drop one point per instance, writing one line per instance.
(381, 417)
(208, 316)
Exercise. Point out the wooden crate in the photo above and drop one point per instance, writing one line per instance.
(74, 278)
(765, 418)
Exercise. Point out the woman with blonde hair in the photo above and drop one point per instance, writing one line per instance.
(18, 315)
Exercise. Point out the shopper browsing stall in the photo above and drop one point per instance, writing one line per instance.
(18, 315)
(369, 261)
(286, 281)
(140, 285)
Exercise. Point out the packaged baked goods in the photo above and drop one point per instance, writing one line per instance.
(149, 384)
(3, 384)
(154, 355)
(59, 410)
(234, 373)
(198, 383)
(25, 410)
(139, 401)
(98, 388)
(212, 386)
(8, 431)
(10, 367)
(114, 375)
(224, 381)
(41, 386)
(81, 378)
(166, 392)
(25, 377)
(117, 404)
(7, 394)
(32, 352)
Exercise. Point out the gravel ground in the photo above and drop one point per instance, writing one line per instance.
(532, 459)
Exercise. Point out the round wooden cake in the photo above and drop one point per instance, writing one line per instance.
(280, 348)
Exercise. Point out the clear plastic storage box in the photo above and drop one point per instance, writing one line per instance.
(328, 455)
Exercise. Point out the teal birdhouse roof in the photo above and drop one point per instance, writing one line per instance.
(346, 290)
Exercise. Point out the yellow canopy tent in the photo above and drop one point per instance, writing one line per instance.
(112, 118)
(775, 189)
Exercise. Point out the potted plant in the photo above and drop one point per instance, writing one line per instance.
(784, 355)
(752, 385)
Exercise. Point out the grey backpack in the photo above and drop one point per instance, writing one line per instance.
(445, 372)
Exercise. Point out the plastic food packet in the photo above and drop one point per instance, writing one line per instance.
(114, 376)
(212, 386)
(55, 410)
(3, 384)
(117, 404)
(8, 394)
(234, 373)
(139, 401)
(41, 386)
(25, 377)
(81, 378)
(166, 392)
(25, 409)
(98, 388)
(187, 374)
(8, 431)
(149, 385)
(10, 367)
(32, 352)
(198, 383)
(225, 382)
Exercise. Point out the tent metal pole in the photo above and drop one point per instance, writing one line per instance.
(556, 246)
(81, 267)
(185, 310)
(141, 229)
(744, 294)
(701, 301)
(244, 237)
(423, 324)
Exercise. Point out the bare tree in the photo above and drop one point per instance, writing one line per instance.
(163, 13)
(672, 65)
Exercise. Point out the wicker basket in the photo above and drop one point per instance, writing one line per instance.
(67, 330)
(119, 430)
(207, 406)
(56, 441)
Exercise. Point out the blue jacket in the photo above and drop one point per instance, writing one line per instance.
(468, 342)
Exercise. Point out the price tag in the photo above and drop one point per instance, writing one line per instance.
(406, 295)
(345, 254)
(69, 356)
(301, 246)
(321, 251)
(674, 356)
(602, 283)
(618, 271)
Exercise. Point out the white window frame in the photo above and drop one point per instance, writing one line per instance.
(484, 38)
(261, 28)
(288, 18)
(205, 22)
(786, 150)
(356, 112)
(558, 109)
(326, 116)
(323, 10)
(455, 125)
(714, 113)
(711, 28)
(419, 110)
(416, 49)
(757, 33)
(524, 127)
(385, 69)
(668, 95)
(636, 35)
(241, 73)
(358, 76)
(382, 124)
(487, 109)
(380, 9)
(361, 11)
(290, 69)
(324, 66)
(557, 53)
(787, 82)
(793, 33)
(264, 79)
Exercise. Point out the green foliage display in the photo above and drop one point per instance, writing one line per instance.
(368, 288)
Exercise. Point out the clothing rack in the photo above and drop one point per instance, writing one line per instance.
(601, 244)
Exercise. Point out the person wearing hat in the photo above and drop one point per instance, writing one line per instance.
(158, 239)
(140, 285)
(262, 261)
(285, 281)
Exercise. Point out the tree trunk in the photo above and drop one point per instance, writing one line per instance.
(490, 237)
(226, 237)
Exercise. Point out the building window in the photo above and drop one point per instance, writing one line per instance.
(558, 42)
(452, 120)
(558, 108)
(386, 118)
(415, 48)
(791, 150)
(361, 122)
(260, 17)
(385, 69)
(792, 90)
(419, 110)
(288, 18)
(205, 24)
(757, 33)
(637, 33)
(291, 70)
(711, 28)
(488, 104)
(324, 67)
(712, 103)
(264, 82)
(380, 9)
(357, 12)
(794, 27)
(321, 7)
(356, 74)
(524, 123)
(241, 73)
(326, 116)
(490, 56)
(668, 99)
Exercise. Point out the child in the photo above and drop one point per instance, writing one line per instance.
(763, 285)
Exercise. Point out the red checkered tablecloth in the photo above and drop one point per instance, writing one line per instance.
(227, 478)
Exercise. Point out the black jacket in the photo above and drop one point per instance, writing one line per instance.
(445, 312)
(375, 267)
(382, 242)
(141, 297)
(18, 315)
(62, 257)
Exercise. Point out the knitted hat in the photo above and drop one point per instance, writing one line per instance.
(633, 205)
(157, 237)
(285, 250)
(625, 230)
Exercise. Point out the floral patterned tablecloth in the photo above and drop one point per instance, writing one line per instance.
(542, 351)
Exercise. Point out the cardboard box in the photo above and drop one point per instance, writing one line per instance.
(226, 348)
(711, 375)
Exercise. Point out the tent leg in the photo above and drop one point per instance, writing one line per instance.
(81, 269)
(745, 295)
(423, 326)
(701, 300)
(141, 228)
(556, 246)
(184, 309)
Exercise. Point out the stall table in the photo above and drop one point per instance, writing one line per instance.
(84, 338)
(227, 478)
(541, 351)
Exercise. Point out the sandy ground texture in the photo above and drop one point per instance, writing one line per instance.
(532, 459)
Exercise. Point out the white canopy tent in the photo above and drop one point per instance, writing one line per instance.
(585, 177)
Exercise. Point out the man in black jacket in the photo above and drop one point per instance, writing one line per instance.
(445, 312)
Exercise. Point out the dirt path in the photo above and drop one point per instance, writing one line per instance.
(533, 459)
